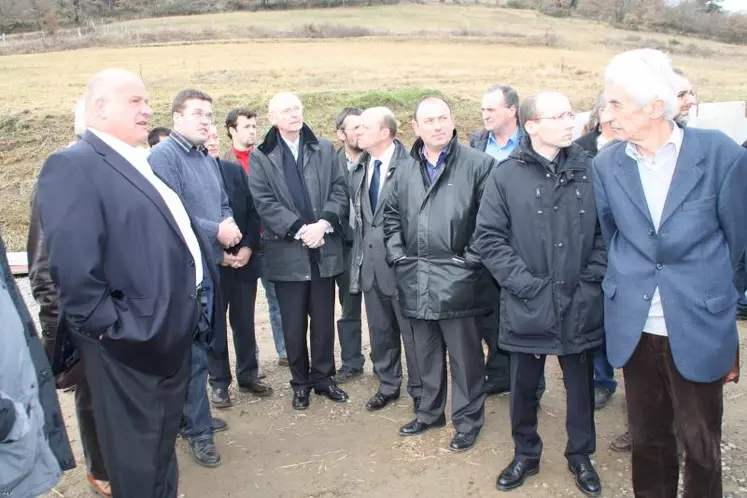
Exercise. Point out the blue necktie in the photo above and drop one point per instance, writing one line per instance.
(373, 189)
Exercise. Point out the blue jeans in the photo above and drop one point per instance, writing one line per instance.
(197, 422)
(273, 306)
(604, 374)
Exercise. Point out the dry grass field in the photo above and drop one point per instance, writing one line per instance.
(456, 50)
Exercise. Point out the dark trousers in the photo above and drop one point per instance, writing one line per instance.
(388, 330)
(461, 338)
(300, 302)
(498, 361)
(137, 420)
(578, 378)
(239, 296)
(658, 399)
(87, 427)
(604, 374)
(740, 281)
(349, 330)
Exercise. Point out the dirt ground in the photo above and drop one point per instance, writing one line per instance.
(336, 451)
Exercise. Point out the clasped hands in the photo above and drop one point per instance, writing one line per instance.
(312, 235)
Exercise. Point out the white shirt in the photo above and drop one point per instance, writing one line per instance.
(386, 158)
(656, 178)
(293, 146)
(138, 159)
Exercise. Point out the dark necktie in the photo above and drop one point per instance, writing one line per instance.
(373, 189)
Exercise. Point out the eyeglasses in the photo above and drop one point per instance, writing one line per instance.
(289, 111)
(199, 115)
(566, 115)
(685, 93)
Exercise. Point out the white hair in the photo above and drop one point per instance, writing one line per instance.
(647, 75)
(279, 99)
(80, 117)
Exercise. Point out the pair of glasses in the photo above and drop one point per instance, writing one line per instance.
(566, 115)
(685, 93)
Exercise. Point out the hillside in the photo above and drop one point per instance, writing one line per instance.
(410, 49)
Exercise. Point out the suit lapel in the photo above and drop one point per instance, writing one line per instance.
(687, 174)
(384, 192)
(630, 181)
(131, 174)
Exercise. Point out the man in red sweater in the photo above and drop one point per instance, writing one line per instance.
(241, 126)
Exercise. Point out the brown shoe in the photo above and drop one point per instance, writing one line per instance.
(257, 388)
(621, 443)
(101, 488)
(283, 362)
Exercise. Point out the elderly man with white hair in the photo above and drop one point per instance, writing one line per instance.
(300, 193)
(672, 207)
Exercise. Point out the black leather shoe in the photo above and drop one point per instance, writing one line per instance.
(257, 388)
(333, 393)
(513, 476)
(416, 404)
(379, 401)
(417, 427)
(346, 373)
(602, 397)
(587, 479)
(490, 388)
(219, 425)
(300, 399)
(463, 441)
(205, 453)
(219, 398)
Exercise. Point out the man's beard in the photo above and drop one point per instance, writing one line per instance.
(682, 120)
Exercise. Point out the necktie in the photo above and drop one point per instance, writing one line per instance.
(373, 189)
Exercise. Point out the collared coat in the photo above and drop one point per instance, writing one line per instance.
(287, 259)
(538, 234)
(428, 232)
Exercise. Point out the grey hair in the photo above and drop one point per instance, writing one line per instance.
(510, 96)
(527, 111)
(80, 117)
(647, 75)
(593, 123)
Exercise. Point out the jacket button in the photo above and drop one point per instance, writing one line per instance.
(651, 233)
(659, 266)
(192, 296)
(191, 263)
(555, 208)
(560, 244)
(647, 297)
(370, 246)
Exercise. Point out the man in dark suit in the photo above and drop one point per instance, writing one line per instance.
(300, 193)
(672, 205)
(238, 283)
(128, 262)
(370, 183)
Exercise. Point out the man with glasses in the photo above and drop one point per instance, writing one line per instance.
(686, 98)
(538, 235)
(300, 193)
(182, 161)
(349, 330)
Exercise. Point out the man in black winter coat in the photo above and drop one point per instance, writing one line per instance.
(429, 222)
(538, 235)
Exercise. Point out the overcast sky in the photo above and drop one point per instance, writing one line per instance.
(735, 5)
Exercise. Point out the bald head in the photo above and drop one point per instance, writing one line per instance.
(377, 130)
(285, 112)
(116, 103)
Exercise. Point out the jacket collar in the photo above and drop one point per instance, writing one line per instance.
(573, 157)
(417, 147)
(400, 153)
(272, 139)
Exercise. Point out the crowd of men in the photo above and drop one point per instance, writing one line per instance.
(623, 249)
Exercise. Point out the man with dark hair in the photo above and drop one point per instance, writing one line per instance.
(299, 191)
(686, 97)
(349, 330)
(238, 285)
(241, 127)
(158, 135)
(183, 163)
(370, 183)
(535, 237)
(429, 220)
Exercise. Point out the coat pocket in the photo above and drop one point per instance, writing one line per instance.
(530, 317)
(18, 456)
(589, 302)
(719, 304)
